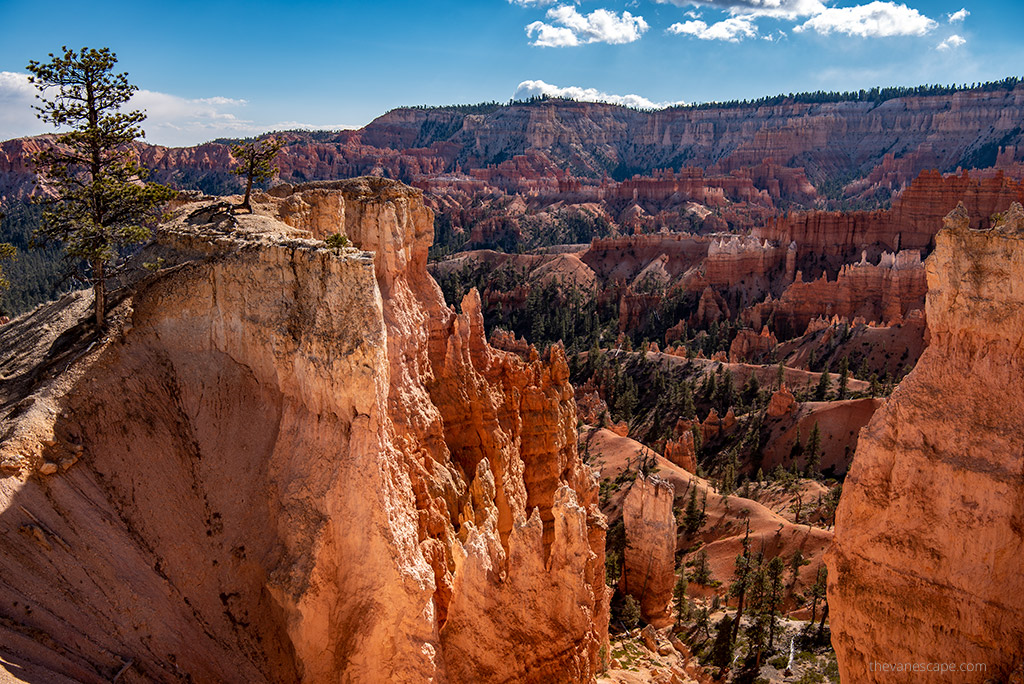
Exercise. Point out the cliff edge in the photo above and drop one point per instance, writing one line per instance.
(926, 565)
(292, 462)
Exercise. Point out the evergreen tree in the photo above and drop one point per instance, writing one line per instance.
(679, 595)
(721, 650)
(776, 568)
(630, 612)
(688, 410)
(780, 375)
(701, 573)
(844, 377)
(813, 450)
(101, 202)
(741, 577)
(751, 390)
(818, 590)
(821, 391)
(692, 519)
(255, 163)
(6, 252)
(757, 632)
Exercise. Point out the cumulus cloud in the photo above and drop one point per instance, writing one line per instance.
(874, 20)
(171, 120)
(528, 89)
(959, 15)
(532, 3)
(732, 30)
(783, 9)
(954, 41)
(569, 28)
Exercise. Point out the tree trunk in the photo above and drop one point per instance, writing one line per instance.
(248, 191)
(739, 616)
(99, 289)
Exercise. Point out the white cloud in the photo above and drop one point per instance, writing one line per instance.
(170, 120)
(570, 28)
(732, 30)
(954, 41)
(528, 89)
(532, 3)
(782, 9)
(873, 20)
(959, 15)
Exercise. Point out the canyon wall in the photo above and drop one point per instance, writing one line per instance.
(758, 153)
(296, 463)
(929, 532)
(911, 223)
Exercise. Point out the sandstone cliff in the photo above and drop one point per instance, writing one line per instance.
(926, 562)
(291, 462)
(649, 568)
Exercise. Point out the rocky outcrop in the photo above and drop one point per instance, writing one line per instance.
(682, 451)
(296, 463)
(929, 535)
(882, 292)
(649, 566)
(748, 345)
(781, 403)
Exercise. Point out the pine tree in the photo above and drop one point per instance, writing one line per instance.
(630, 612)
(821, 391)
(813, 450)
(818, 590)
(780, 375)
(701, 573)
(688, 410)
(101, 202)
(844, 377)
(7, 251)
(741, 575)
(776, 568)
(692, 518)
(721, 650)
(255, 163)
(679, 595)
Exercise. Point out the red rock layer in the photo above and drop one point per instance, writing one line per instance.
(910, 224)
(926, 562)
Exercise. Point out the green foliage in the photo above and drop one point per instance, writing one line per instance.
(255, 163)
(630, 614)
(721, 650)
(701, 572)
(694, 518)
(844, 377)
(824, 383)
(615, 548)
(813, 451)
(7, 251)
(101, 203)
(34, 275)
(682, 605)
(338, 241)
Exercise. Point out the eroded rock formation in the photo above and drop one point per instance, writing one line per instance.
(296, 463)
(929, 533)
(648, 571)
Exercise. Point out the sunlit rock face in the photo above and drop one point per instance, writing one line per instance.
(296, 463)
(930, 528)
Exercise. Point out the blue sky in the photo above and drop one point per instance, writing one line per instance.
(213, 68)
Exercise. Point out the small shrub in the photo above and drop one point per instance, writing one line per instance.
(338, 241)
